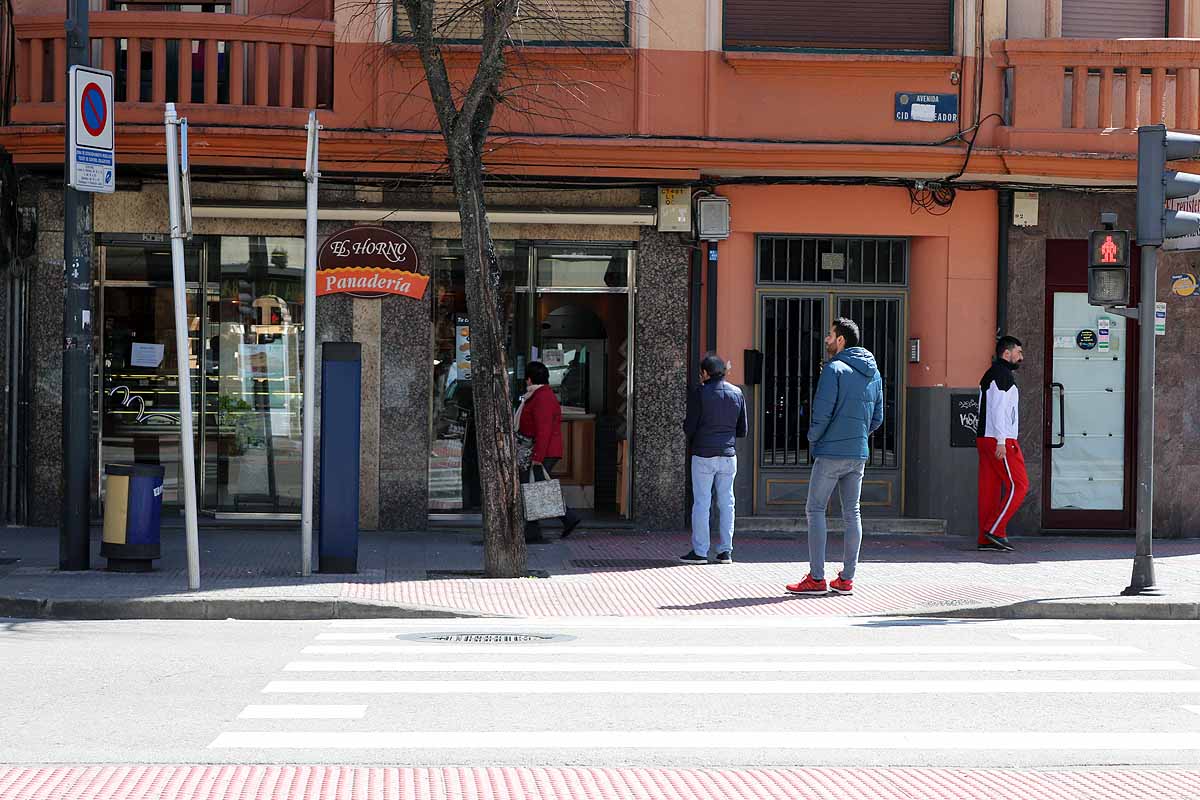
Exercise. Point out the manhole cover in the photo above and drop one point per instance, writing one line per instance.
(485, 638)
(623, 563)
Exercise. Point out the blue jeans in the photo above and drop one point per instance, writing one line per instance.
(845, 475)
(707, 472)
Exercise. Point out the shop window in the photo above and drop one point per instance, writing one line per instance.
(453, 458)
(923, 26)
(583, 268)
(245, 312)
(832, 261)
(148, 265)
(595, 23)
(571, 312)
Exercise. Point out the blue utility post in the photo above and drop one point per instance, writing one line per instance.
(341, 395)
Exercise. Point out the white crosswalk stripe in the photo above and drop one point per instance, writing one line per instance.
(563, 692)
(719, 667)
(667, 740)
(709, 688)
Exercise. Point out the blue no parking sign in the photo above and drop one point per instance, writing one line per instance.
(91, 156)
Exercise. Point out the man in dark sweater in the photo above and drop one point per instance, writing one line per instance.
(716, 417)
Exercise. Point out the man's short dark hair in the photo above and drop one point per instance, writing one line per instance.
(1005, 344)
(714, 365)
(848, 330)
(537, 372)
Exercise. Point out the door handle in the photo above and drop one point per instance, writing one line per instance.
(1062, 416)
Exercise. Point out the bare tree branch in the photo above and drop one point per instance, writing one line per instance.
(420, 19)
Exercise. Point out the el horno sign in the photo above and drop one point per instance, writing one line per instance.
(367, 261)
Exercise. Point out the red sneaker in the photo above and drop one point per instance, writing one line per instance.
(840, 585)
(808, 586)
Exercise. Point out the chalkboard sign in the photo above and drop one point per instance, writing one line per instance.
(964, 416)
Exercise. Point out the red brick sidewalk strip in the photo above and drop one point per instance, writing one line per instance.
(522, 783)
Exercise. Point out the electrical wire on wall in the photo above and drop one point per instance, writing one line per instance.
(937, 197)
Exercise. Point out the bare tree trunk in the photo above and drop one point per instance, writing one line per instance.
(503, 522)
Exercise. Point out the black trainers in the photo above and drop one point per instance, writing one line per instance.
(999, 541)
(725, 558)
(989, 546)
(691, 558)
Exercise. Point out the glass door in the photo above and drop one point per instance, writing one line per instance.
(1088, 480)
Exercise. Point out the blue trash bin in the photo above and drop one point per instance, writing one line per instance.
(132, 516)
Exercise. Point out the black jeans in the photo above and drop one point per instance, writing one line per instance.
(533, 531)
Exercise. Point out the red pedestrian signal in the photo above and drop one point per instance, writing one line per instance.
(1108, 249)
(1108, 268)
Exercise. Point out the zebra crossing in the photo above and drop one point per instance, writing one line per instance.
(677, 691)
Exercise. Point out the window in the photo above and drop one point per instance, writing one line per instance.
(924, 26)
(832, 260)
(594, 23)
(1114, 19)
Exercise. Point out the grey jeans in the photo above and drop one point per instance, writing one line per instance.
(845, 475)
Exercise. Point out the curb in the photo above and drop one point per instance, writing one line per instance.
(205, 609)
(1075, 610)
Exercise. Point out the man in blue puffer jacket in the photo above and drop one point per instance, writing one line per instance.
(847, 409)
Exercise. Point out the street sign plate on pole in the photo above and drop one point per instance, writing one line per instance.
(90, 154)
(1191, 203)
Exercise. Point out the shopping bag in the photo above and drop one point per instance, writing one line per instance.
(543, 498)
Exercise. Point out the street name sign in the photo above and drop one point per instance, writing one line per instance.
(1191, 203)
(918, 107)
(90, 154)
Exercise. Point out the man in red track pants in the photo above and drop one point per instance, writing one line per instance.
(1002, 479)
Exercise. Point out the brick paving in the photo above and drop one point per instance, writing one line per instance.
(250, 782)
(605, 573)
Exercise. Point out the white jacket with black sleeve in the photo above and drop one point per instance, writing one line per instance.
(998, 397)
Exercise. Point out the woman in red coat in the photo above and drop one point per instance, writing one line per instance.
(540, 418)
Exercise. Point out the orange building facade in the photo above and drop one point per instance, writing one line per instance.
(932, 176)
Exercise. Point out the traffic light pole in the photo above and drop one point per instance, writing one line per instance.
(74, 547)
(1143, 560)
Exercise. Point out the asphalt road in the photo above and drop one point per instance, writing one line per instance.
(716, 692)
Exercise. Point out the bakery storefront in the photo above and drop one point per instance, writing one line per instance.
(602, 302)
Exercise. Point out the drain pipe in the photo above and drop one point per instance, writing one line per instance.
(693, 378)
(1005, 202)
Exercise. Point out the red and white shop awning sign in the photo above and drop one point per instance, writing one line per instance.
(368, 261)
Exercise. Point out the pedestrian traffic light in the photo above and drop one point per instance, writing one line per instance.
(1156, 184)
(1108, 268)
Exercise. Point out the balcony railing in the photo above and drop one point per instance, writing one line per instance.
(1093, 90)
(260, 65)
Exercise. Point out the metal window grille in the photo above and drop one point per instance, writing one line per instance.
(832, 261)
(793, 344)
(794, 348)
(879, 325)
